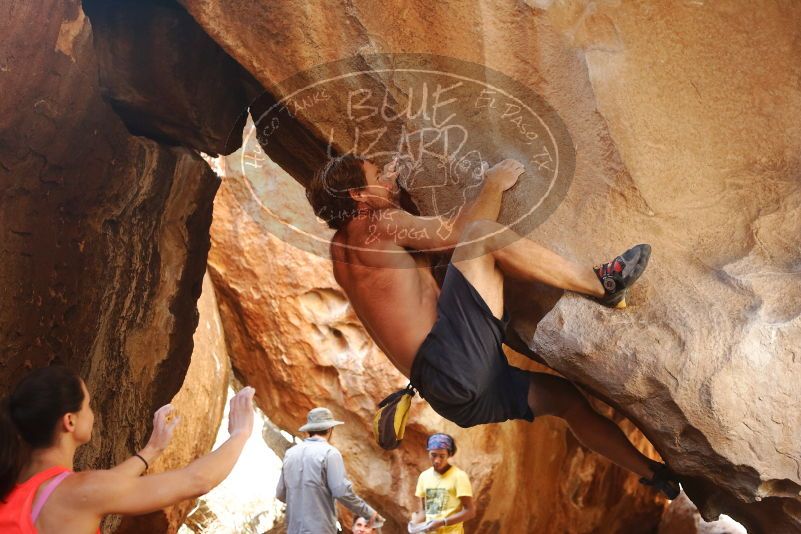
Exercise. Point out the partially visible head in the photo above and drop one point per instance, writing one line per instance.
(382, 190)
(321, 433)
(440, 449)
(320, 422)
(360, 526)
(348, 183)
(49, 405)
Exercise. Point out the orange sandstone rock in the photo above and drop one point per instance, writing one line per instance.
(199, 404)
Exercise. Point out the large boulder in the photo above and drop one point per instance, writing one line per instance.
(293, 335)
(685, 124)
(104, 234)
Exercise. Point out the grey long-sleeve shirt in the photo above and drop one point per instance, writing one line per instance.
(313, 476)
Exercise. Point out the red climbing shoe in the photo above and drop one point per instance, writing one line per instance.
(619, 274)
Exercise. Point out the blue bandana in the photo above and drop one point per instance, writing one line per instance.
(440, 441)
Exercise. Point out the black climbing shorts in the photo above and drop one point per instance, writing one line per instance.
(461, 369)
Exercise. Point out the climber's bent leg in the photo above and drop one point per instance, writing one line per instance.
(486, 245)
(460, 368)
(522, 258)
(552, 395)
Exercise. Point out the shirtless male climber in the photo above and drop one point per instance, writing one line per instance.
(448, 342)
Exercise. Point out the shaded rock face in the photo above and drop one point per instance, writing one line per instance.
(199, 404)
(686, 132)
(292, 334)
(104, 234)
(166, 78)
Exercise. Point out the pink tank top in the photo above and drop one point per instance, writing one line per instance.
(18, 513)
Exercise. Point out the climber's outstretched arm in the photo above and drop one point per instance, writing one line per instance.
(439, 232)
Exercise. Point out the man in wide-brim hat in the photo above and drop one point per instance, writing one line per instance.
(313, 477)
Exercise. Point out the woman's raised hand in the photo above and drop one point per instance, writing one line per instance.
(163, 428)
(240, 417)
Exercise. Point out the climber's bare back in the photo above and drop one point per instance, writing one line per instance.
(392, 290)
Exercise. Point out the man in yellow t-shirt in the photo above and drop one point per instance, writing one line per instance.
(444, 490)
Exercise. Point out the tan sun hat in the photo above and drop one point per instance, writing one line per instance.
(319, 419)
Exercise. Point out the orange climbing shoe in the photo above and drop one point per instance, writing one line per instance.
(619, 274)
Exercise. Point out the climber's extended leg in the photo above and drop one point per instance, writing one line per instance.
(552, 395)
(488, 249)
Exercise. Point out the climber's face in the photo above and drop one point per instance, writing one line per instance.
(439, 459)
(382, 189)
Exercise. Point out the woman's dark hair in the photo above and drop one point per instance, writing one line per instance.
(329, 190)
(29, 415)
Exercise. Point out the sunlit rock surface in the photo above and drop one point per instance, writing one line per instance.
(685, 120)
(199, 404)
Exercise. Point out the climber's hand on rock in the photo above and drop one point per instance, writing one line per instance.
(392, 166)
(505, 173)
(390, 172)
(163, 427)
(240, 417)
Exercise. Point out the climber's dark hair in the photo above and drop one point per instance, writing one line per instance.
(329, 191)
(29, 415)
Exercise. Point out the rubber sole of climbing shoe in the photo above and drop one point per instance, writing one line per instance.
(618, 275)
